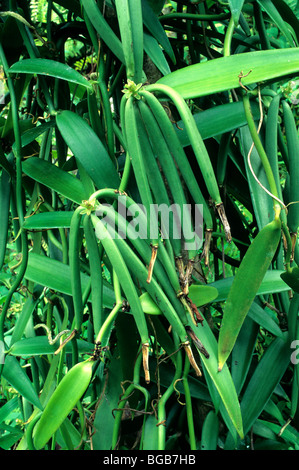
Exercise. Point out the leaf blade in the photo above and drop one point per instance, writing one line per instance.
(223, 383)
(88, 149)
(224, 73)
(40, 270)
(54, 178)
(50, 68)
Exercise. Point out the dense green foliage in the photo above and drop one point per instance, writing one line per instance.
(149, 342)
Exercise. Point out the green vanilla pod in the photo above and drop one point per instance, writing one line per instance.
(68, 392)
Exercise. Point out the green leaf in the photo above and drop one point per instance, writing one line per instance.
(271, 284)
(155, 53)
(103, 29)
(154, 26)
(271, 10)
(262, 203)
(88, 149)
(150, 434)
(223, 383)
(202, 295)
(243, 351)
(54, 178)
(291, 17)
(291, 278)
(265, 378)
(8, 408)
(17, 377)
(109, 402)
(236, 8)
(210, 431)
(264, 319)
(50, 68)
(289, 434)
(246, 283)
(40, 270)
(222, 74)
(30, 135)
(129, 16)
(27, 310)
(148, 305)
(45, 220)
(39, 345)
(216, 120)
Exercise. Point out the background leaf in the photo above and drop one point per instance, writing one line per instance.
(55, 178)
(50, 68)
(93, 157)
(223, 74)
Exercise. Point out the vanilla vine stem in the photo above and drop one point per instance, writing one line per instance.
(262, 154)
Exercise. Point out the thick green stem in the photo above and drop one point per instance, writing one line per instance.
(133, 386)
(165, 397)
(188, 402)
(228, 38)
(193, 16)
(112, 315)
(74, 248)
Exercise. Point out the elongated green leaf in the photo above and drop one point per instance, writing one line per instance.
(288, 13)
(271, 283)
(156, 29)
(245, 286)
(27, 311)
(50, 68)
(266, 376)
(242, 353)
(88, 149)
(45, 220)
(289, 434)
(56, 275)
(8, 408)
(224, 385)
(39, 345)
(104, 413)
(129, 16)
(55, 178)
(264, 319)
(103, 29)
(126, 33)
(236, 8)
(291, 278)
(224, 73)
(216, 120)
(17, 377)
(155, 53)
(271, 10)
(201, 295)
(30, 135)
(151, 434)
(210, 431)
(262, 203)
